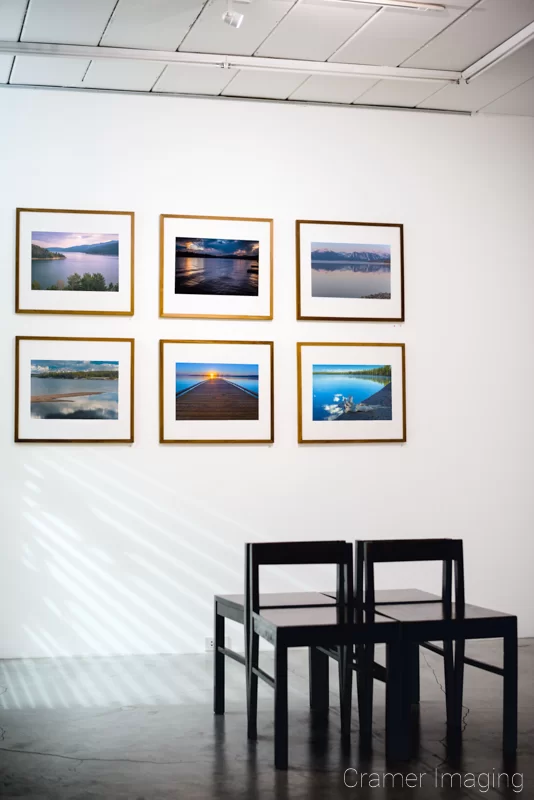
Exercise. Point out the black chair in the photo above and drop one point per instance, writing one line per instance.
(319, 629)
(232, 607)
(450, 553)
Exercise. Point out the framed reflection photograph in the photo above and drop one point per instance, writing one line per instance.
(216, 267)
(216, 392)
(74, 262)
(350, 271)
(351, 392)
(74, 390)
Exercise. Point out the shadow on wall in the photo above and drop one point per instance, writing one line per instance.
(117, 563)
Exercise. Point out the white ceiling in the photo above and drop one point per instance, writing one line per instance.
(284, 50)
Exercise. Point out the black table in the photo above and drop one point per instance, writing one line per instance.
(415, 618)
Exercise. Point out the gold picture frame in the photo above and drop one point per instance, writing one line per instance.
(310, 302)
(399, 399)
(227, 347)
(265, 286)
(129, 296)
(129, 427)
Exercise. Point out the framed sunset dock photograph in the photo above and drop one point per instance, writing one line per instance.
(352, 393)
(73, 389)
(216, 267)
(350, 271)
(75, 262)
(216, 391)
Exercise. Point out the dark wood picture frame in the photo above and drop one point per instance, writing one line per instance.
(317, 318)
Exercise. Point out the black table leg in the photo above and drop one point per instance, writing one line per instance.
(280, 708)
(319, 680)
(365, 663)
(448, 665)
(412, 655)
(218, 681)
(252, 658)
(397, 718)
(510, 691)
(459, 654)
(345, 689)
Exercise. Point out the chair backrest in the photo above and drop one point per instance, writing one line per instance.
(337, 553)
(448, 551)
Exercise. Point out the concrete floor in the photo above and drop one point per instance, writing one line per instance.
(142, 728)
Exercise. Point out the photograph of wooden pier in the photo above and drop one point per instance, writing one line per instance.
(216, 391)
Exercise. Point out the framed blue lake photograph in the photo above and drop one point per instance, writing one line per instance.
(351, 392)
(350, 271)
(75, 262)
(216, 267)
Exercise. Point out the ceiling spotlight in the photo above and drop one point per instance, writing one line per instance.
(233, 18)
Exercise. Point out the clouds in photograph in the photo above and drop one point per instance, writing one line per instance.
(49, 239)
(40, 367)
(224, 248)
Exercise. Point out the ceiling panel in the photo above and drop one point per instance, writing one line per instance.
(520, 101)
(393, 34)
(11, 19)
(5, 67)
(211, 35)
(67, 21)
(314, 29)
(157, 25)
(187, 79)
(332, 89)
(399, 93)
(484, 27)
(48, 71)
(133, 76)
(502, 78)
(254, 83)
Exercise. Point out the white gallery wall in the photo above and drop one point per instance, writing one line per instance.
(120, 549)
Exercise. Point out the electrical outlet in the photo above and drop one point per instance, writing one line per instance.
(209, 644)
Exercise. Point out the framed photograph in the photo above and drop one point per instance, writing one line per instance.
(351, 392)
(216, 267)
(350, 271)
(216, 392)
(74, 262)
(74, 389)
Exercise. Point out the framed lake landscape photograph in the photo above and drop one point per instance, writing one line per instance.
(351, 392)
(216, 392)
(74, 389)
(216, 267)
(350, 271)
(74, 262)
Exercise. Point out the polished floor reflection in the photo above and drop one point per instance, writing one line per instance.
(142, 728)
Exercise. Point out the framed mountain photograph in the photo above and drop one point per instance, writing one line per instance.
(216, 267)
(73, 389)
(350, 271)
(351, 392)
(216, 392)
(75, 262)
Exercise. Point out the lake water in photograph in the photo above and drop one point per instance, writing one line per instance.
(102, 406)
(184, 382)
(216, 276)
(329, 391)
(337, 279)
(49, 271)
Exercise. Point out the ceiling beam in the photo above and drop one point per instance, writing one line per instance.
(498, 53)
(232, 62)
(233, 99)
